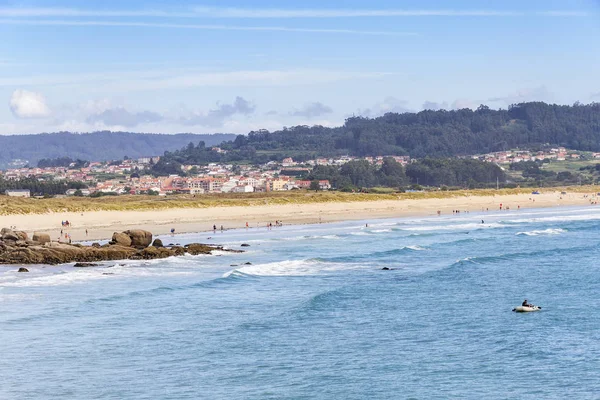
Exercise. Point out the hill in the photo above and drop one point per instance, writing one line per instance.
(433, 133)
(96, 146)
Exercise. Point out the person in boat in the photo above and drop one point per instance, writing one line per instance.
(526, 304)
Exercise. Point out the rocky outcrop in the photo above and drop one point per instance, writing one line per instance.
(23, 269)
(157, 243)
(41, 238)
(35, 252)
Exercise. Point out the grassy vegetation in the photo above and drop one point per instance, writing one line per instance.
(13, 205)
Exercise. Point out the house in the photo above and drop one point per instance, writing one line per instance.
(18, 192)
(324, 185)
(243, 189)
(84, 192)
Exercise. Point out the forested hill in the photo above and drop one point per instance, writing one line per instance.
(97, 146)
(437, 133)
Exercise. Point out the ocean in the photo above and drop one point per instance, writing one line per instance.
(314, 316)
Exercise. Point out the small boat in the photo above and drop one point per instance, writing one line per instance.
(529, 308)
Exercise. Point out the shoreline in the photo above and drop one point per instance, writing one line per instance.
(101, 224)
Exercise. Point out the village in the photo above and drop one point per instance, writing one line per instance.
(131, 176)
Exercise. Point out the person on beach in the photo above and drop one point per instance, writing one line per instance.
(172, 231)
(86, 232)
(246, 225)
(221, 228)
(214, 228)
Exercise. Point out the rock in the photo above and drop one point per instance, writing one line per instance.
(157, 243)
(122, 239)
(10, 235)
(22, 269)
(22, 235)
(139, 237)
(385, 269)
(248, 263)
(5, 230)
(245, 245)
(41, 237)
(197, 248)
(85, 265)
(17, 251)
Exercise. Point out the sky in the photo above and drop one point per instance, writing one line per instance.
(233, 66)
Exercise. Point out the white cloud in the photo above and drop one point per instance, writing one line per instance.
(280, 13)
(25, 104)
(312, 110)
(46, 22)
(540, 93)
(119, 116)
(432, 105)
(169, 79)
(217, 116)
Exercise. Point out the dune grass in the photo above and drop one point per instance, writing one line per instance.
(13, 205)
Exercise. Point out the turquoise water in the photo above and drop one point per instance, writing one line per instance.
(315, 317)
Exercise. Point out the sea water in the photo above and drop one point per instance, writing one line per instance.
(314, 316)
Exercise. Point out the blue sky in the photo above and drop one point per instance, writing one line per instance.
(235, 66)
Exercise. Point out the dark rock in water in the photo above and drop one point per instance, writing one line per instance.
(245, 245)
(248, 263)
(96, 245)
(386, 269)
(197, 248)
(171, 244)
(107, 273)
(23, 270)
(157, 243)
(233, 265)
(85, 265)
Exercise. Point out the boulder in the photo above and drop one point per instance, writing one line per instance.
(85, 265)
(197, 248)
(157, 243)
(121, 239)
(96, 245)
(9, 235)
(245, 245)
(22, 269)
(139, 238)
(41, 237)
(22, 235)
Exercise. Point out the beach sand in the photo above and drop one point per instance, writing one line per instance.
(101, 224)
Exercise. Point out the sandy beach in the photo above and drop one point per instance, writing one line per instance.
(101, 224)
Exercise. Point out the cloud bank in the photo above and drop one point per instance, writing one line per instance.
(312, 110)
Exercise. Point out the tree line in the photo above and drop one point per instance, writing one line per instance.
(428, 133)
(448, 172)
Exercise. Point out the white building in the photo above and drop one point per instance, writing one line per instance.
(18, 193)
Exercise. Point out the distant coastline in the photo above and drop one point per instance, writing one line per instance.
(184, 214)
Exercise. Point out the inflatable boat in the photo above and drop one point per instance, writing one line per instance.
(527, 308)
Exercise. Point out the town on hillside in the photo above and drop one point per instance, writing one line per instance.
(132, 176)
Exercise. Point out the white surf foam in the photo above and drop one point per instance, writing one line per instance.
(293, 268)
(548, 231)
